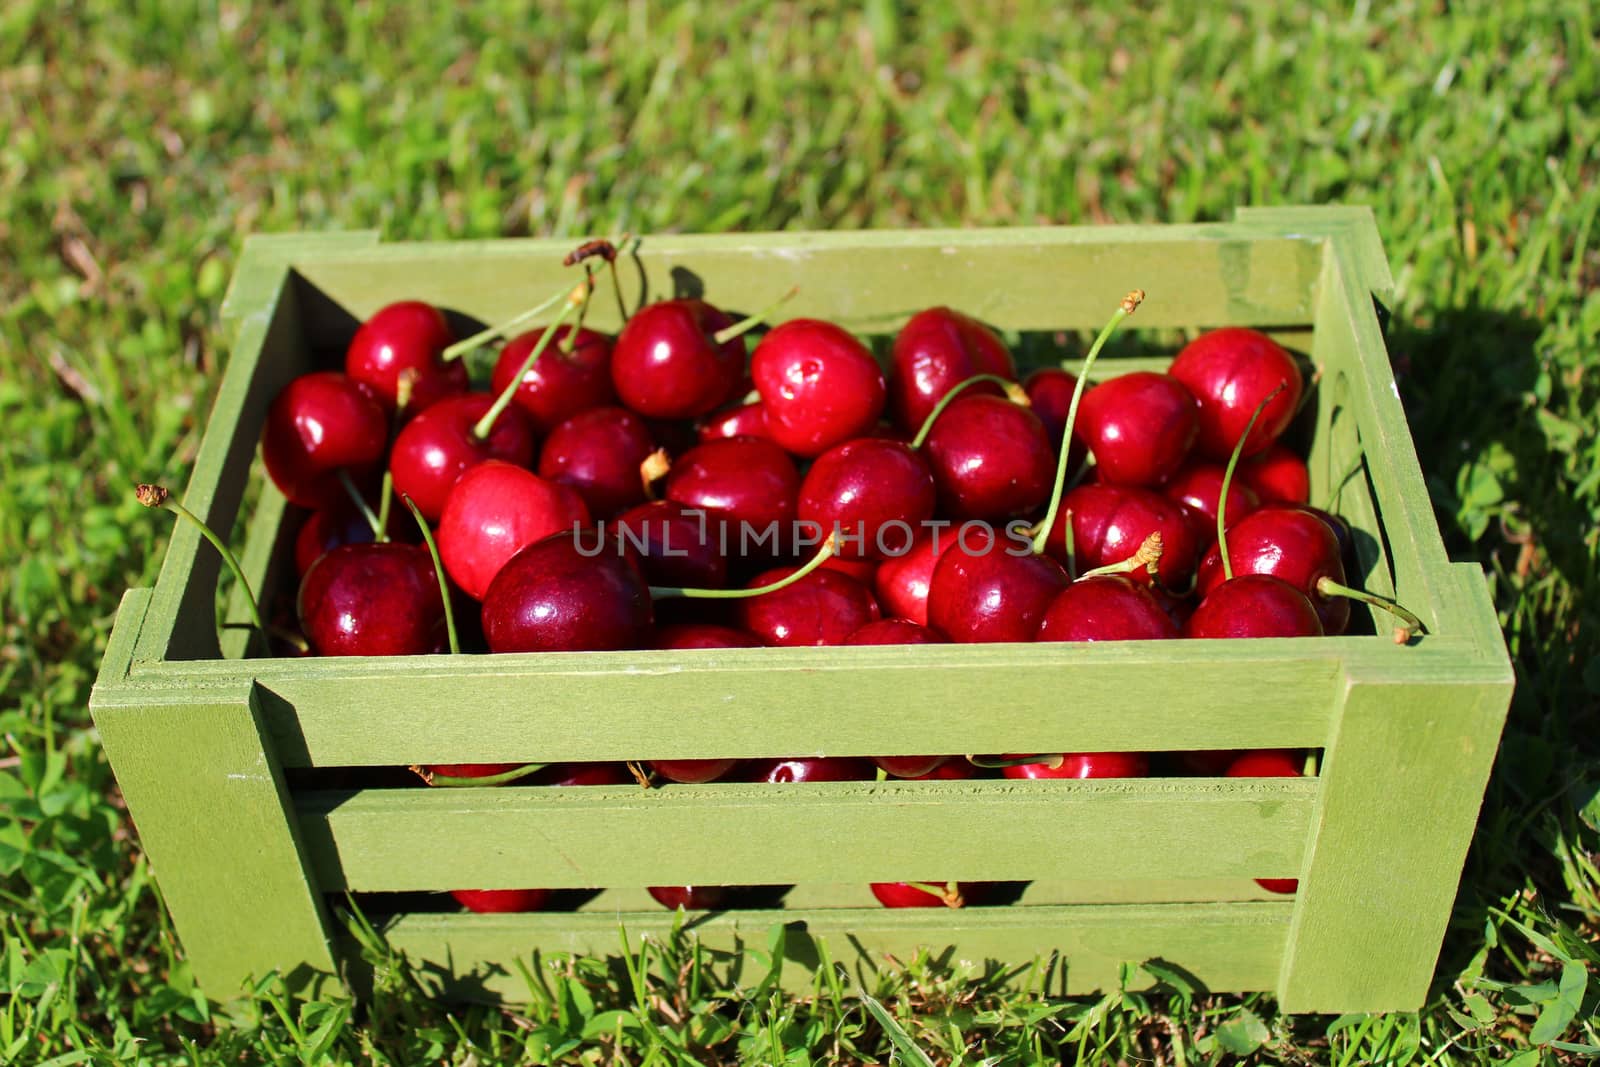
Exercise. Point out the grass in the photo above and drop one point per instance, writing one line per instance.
(140, 141)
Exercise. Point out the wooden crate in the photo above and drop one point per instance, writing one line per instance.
(205, 744)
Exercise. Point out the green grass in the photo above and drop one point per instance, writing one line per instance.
(140, 141)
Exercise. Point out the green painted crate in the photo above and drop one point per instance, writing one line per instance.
(207, 746)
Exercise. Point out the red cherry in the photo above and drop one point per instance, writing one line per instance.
(991, 587)
(1086, 765)
(933, 352)
(494, 511)
(875, 493)
(1230, 372)
(406, 336)
(820, 386)
(1110, 522)
(1050, 390)
(469, 770)
(1198, 486)
(1254, 605)
(904, 895)
(911, 766)
(372, 600)
(862, 570)
(746, 420)
(703, 635)
(990, 459)
(746, 486)
(591, 773)
(501, 901)
(598, 453)
(810, 769)
(559, 384)
(339, 523)
(437, 446)
(1278, 476)
(1207, 763)
(951, 769)
(677, 546)
(1140, 427)
(901, 581)
(1108, 608)
(823, 608)
(894, 632)
(1271, 763)
(320, 424)
(691, 897)
(1287, 543)
(667, 363)
(692, 771)
(553, 596)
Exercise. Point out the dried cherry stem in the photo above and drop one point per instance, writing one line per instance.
(662, 592)
(1052, 761)
(485, 425)
(744, 326)
(653, 469)
(1014, 393)
(438, 572)
(639, 773)
(1130, 304)
(1402, 634)
(949, 893)
(156, 496)
(1227, 482)
(445, 781)
(405, 384)
(504, 329)
(360, 502)
(1148, 557)
(570, 342)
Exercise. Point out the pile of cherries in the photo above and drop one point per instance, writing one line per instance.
(672, 488)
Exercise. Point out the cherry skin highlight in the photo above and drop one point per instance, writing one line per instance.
(1086, 765)
(1288, 543)
(1254, 605)
(746, 420)
(372, 600)
(560, 384)
(819, 385)
(408, 336)
(935, 351)
(990, 588)
(439, 445)
(990, 459)
(1106, 608)
(810, 769)
(1269, 763)
(744, 485)
(901, 581)
(1230, 372)
(1140, 427)
(877, 493)
(495, 510)
(823, 608)
(667, 364)
(691, 897)
(320, 424)
(598, 452)
(552, 597)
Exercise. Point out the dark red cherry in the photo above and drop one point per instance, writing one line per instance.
(1341, 530)
(598, 453)
(1270, 763)
(810, 769)
(905, 895)
(692, 897)
(501, 901)
(678, 546)
(495, 510)
(894, 632)
(823, 608)
(1140, 427)
(692, 771)
(406, 336)
(862, 570)
(911, 766)
(933, 352)
(1230, 372)
(820, 386)
(991, 587)
(990, 459)
(469, 770)
(372, 600)
(703, 635)
(1050, 389)
(320, 424)
(875, 493)
(1206, 763)
(747, 484)
(1110, 522)
(746, 420)
(1198, 486)
(557, 595)
(1288, 543)
(1278, 476)
(439, 445)
(901, 581)
(339, 523)
(667, 364)
(1108, 608)
(1254, 605)
(559, 384)
(589, 773)
(1086, 765)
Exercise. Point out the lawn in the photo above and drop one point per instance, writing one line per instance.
(140, 141)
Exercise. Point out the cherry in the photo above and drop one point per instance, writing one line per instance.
(862, 570)
(1050, 392)
(1230, 371)
(1198, 487)
(494, 511)
(409, 336)
(692, 771)
(1085, 765)
(1254, 605)
(745, 484)
(553, 597)
(501, 901)
(598, 452)
(1109, 523)
(746, 420)
(372, 600)
(909, 895)
(810, 769)
(437, 446)
(1207, 763)
(820, 386)
(877, 493)
(686, 635)
(674, 544)
(668, 364)
(560, 383)
(1108, 608)
(1278, 476)
(991, 459)
(1139, 427)
(340, 522)
(469, 770)
(588, 773)
(991, 588)
(692, 897)
(934, 351)
(1341, 530)
(913, 766)
(1287, 543)
(894, 632)
(823, 608)
(1270, 763)
(322, 423)
(901, 581)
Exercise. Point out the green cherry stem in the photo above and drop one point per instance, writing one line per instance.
(361, 505)
(485, 425)
(445, 781)
(1129, 305)
(483, 337)
(1402, 634)
(949, 892)
(571, 341)
(1227, 481)
(1014, 392)
(1147, 557)
(438, 572)
(744, 326)
(1052, 761)
(155, 496)
(662, 592)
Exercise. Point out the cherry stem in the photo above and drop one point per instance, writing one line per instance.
(1014, 392)
(616, 280)
(485, 425)
(653, 469)
(1309, 768)
(662, 592)
(1052, 761)
(1072, 546)
(640, 774)
(483, 337)
(744, 326)
(571, 340)
(949, 892)
(1227, 481)
(405, 384)
(438, 573)
(1129, 305)
(446, 781)
(361, 504)
(385, 495)
(1402, 634)
(1148, 557)
(155, 496)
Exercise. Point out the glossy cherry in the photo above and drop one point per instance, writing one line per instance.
(555, 596)
(895, 632)
(1254, 605)
(1110, 607)
(901, 581)
(1110, 522)
(875, 492)
(819, 385)
(991, 587)
(441, 444)
(1269, 763)
(501, 901)
(692, 897)
(745, 485)
(687, 635)
(1140, 427)
(746, 420)
(1230, 372)
(598, 453)
(934, 351)
(372, 600)
(321, 423)
(1277, 476)
(408, 336)
(560, 383)
(1198, 487)
(340, 523)
(823, 608)
(862, 570)
(1288, 543)
(495, 510)
(1086, 765)
(692, 771)
(666, 362)
(990, 458)
(810, 769)
(1050, 390)
(906, 895)
(676, 545)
